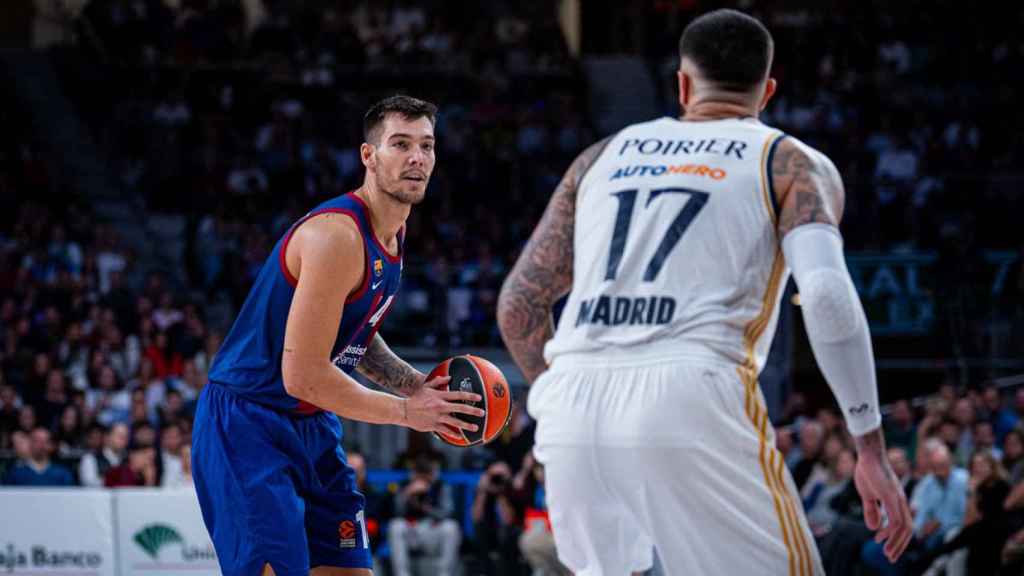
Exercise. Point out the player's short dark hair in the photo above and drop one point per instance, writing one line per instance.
(410, 108)
(731, 49)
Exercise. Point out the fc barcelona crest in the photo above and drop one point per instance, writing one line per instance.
(378, 267)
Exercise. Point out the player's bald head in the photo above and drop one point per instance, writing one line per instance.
(729, 50)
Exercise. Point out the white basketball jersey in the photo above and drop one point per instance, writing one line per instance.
(675, 246)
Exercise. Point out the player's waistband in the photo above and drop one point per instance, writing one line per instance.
(625, 358)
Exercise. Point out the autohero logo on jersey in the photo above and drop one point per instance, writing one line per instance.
(41, 557)
(619, 311)
(667, 169)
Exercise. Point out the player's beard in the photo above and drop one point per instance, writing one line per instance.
(397, 192)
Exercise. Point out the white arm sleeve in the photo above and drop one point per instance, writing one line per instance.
(836, 325)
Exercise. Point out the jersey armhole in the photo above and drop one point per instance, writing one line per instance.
(283, 256)
(771, 199)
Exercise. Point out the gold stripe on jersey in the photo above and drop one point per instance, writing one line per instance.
(798, 550)
(766, 189)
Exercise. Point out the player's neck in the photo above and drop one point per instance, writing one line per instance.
(386, 215)
(706, 110)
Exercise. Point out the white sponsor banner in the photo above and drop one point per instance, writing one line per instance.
(161, 532)
(56, 532)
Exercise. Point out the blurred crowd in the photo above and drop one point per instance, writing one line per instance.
(959, 455)
(237, 125)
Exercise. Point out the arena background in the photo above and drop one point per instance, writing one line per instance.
(152, 151)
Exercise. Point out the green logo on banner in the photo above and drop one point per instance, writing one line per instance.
(155, 536)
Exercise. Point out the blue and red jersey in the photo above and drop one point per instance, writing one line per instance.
(249, 361)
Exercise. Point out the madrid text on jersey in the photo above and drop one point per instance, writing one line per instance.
(623, 311)
(659, 147)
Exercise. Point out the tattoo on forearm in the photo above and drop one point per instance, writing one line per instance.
(811, 188)
(382, 366)
(542, 274)
(872, 443)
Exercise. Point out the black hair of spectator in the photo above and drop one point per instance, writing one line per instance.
(410, 108)
(732, 50)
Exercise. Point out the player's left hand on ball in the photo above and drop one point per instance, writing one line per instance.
(433, 408)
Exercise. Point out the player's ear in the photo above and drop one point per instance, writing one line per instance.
(685, 88)
(769, 91)
(367, 153)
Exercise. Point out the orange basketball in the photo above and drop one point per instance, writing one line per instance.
(474, 374)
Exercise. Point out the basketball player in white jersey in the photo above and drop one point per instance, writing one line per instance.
(676, 238)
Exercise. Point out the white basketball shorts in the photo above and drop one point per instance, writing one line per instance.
(675, 454)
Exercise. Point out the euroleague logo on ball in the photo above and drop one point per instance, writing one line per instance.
(499, 390)
(466, 385)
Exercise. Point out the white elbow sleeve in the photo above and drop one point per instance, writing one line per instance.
(836, 325)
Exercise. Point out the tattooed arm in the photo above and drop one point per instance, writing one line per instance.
(543, 273)
(382, 366)
(808, 186)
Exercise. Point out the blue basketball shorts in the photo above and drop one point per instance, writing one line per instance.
(275, 488)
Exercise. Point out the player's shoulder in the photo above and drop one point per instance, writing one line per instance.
(793, 158)
(329, 232)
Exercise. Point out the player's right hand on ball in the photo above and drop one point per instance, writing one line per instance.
(433, 408)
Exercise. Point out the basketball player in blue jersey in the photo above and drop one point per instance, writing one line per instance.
(673, 239)
(276, 492)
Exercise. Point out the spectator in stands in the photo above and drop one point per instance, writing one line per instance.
(8, 413)
(811, 444)
(172, 469)
(1002, 418)
(900, 429)
(537, 543)
(108, 400)
(986, 525)
(900, 464)
(1013, 456)
(38, 469)
(70, 432)
(495, 521)
(964, 415)
(138, 469)
(423, 522)
(985, 439)
(379, 506)
(939, 506)
(512, 446)
(166, 361)
(93, 467)
(819, 491)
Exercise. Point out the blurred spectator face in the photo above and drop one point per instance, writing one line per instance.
(402, 159)
(139, 412)
(161, 340)
(94, 439)
(108, 380)
(983, 435)
(7, 398)
(141, 458)
(144, 436)
(41, 365)
(55, 385)
(949, 432)
(993, 402)
(940, 462)
(811, 437)
(898, 461)
(358, 464)
(69, 418)
(845, 464)
(42, 446)
(982, 467)
(27, 418)
(829, 420)
(173, 404)
(22, 444)
(833, 446)
(901, 414)
(117, 438)
(1013, 447)
(963, 412)
(948, 393)
(170, 439)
